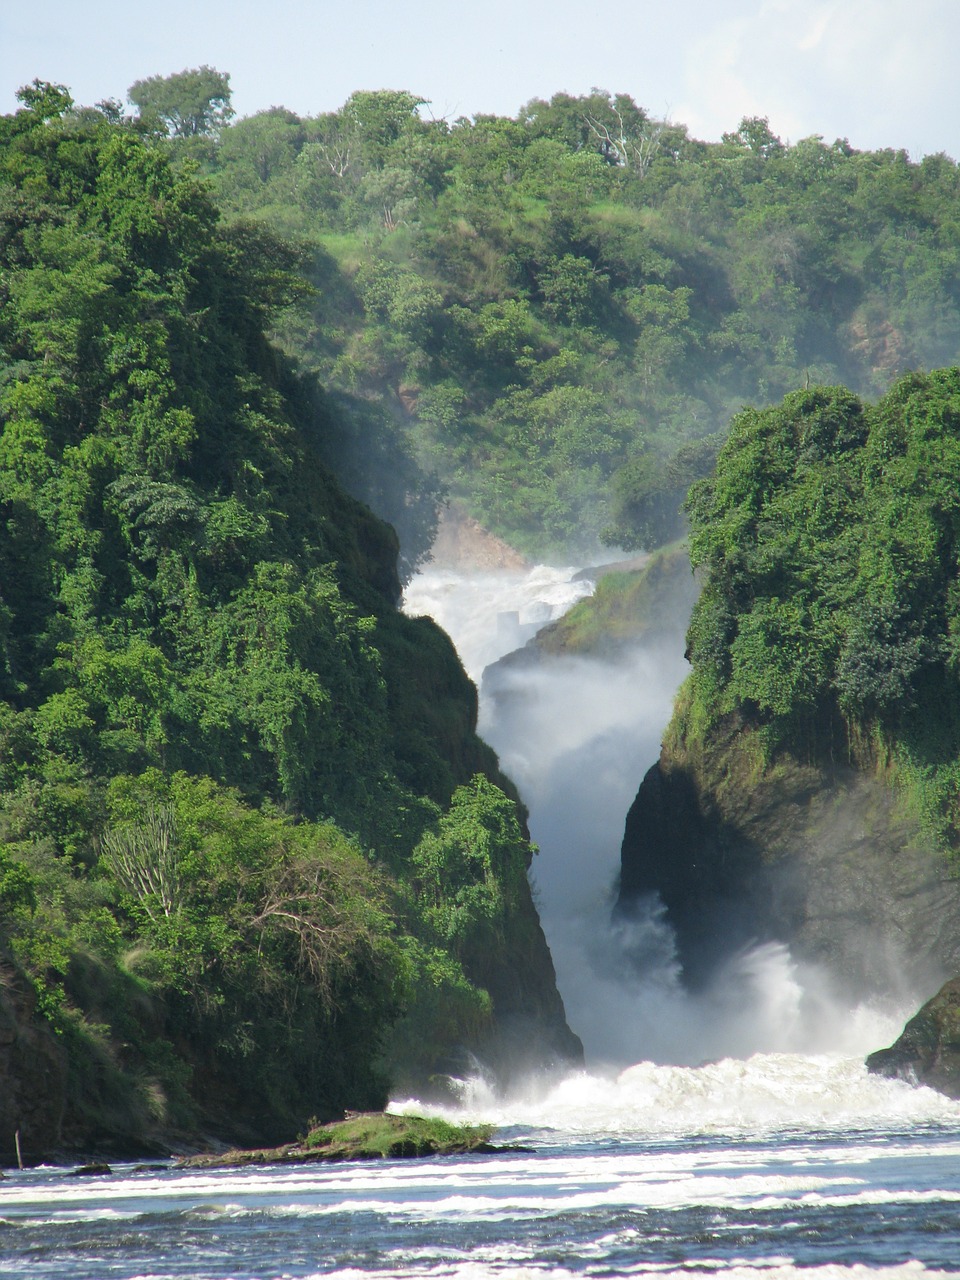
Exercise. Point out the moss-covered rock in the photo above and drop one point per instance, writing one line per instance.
(639, 602)
(374, 1135)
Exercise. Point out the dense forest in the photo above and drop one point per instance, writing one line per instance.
(556, 315)
(829, 622)
(253, 858)
(254, 861)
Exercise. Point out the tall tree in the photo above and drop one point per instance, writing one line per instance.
(188, 103)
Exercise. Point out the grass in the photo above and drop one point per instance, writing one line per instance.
(372, 1135)
(379, 1134)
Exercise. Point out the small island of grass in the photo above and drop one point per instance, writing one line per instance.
(373, 1135)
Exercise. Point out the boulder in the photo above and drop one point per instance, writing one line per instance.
(928, 1049)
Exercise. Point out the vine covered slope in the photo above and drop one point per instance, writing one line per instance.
(253, 857)
(809, 786)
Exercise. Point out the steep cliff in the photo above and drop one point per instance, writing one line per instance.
(255, 861)
(807, 789)
(641, 602)
(824, 857)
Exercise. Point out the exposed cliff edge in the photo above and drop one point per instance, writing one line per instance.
(928, 1050)
(826, 859)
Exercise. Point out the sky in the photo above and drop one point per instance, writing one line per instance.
(881, 73)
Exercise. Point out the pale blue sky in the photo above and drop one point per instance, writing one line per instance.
(880, 72)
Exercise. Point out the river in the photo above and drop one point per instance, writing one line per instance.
(776, 1168)
(736, 1134)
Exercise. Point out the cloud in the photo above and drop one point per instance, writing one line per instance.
(816, 28)
(878, 73)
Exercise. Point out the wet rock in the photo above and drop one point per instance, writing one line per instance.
(928, 1049)
(826, 859)
(33, 1074)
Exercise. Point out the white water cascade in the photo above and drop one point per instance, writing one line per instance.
(577, 736)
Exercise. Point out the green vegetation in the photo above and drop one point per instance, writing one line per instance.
(241, 854)
(252, 854)
(829, 620)
(557, 313)
(388, 1135)
(375, 1135)
(627, 606)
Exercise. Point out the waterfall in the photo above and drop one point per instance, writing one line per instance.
(577, 735)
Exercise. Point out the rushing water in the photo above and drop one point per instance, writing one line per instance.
(765, 1163)
(768, 1168)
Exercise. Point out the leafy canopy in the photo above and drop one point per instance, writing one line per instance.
(221, 745)
(830, 538)
(187, 104)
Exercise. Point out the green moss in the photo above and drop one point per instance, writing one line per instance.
(379, 1134)
(373, 1135)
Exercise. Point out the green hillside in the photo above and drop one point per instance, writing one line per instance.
(807, 793)
(556, 313)
(251, 850)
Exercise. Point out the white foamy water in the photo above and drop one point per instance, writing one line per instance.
(767, 1269)
(644, 1183)
(577, 735)
(490, 614)
(762, 1095)
(777, 1158)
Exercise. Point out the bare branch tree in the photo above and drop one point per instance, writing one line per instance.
(143, 858)
(317, 909)
(619, 148)
(337, 155)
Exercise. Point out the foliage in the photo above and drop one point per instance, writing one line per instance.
(552, 312)
(220, 743)
(830, 537)
(186, 104)
(649, 493)
(470, 869)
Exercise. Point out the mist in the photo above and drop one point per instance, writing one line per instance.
(577, 735)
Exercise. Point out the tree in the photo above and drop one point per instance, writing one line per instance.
(144, 860)
(469, 870)
(378, 119)
(47, 101)
(755, 134)
(186, 104)
(648, 495)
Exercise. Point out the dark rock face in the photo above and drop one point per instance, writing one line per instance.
(33, 1075)
(822, 859)
(530, 1033)
(928, 1049)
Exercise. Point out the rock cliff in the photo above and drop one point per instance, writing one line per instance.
(825, 859)
(33, 1073)
(928, 1050)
